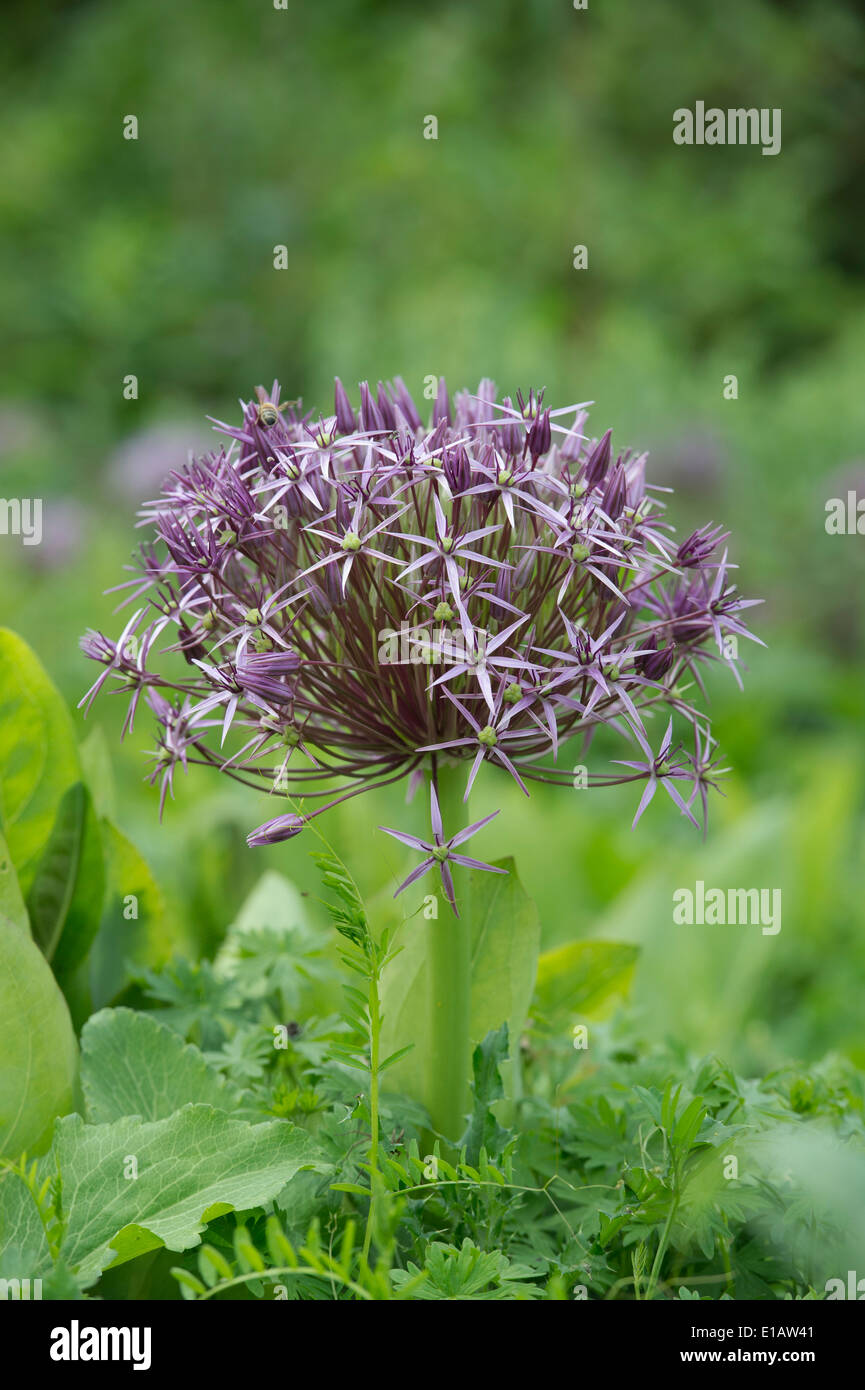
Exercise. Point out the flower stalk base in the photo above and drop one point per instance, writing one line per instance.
(449, 986)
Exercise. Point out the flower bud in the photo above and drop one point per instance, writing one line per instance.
(273, 832)
(598, 461)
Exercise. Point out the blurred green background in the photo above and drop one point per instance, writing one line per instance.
(304, 127)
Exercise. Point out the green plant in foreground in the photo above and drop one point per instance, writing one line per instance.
(366, 957)
(361, 598)
(277, 1154)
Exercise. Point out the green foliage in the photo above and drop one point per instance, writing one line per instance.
(281, 1271)
(348, 913)
(67, 874)
(152, 1163)
(133, 928)
(65, 899)
(115, 1083)
(592, 1176)
(487, 1061)
(468, 1273)
(248, 1094)
(583, 976)
(613, 1181)
(38, 756)
(505, 931)
(12, 904)
(37, 1045)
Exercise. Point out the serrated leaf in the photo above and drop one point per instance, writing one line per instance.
(466, 1273)
(487, 1060)
(197, 1164)
(24, 1252)
(131, 1064)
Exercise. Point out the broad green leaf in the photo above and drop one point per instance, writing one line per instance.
(38, 755)
(505, 934)
(506, 937)
(65, 899)
(98, 772)
(76, 992)
(12, 904)
(272, 948)
(131, 1064)
(135, 1185)
(403, 996)
(274, 903)
(275, 907)
(583, 976)
(38, 1051)
(134, 927)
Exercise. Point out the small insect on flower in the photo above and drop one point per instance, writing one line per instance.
(268, 414)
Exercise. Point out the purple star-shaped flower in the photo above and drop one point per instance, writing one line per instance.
(662, 769)
(441, 850)
(544, 593)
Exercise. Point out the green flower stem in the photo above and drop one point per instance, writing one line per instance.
(449, 978)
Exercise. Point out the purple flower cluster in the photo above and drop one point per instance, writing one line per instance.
(279, 566)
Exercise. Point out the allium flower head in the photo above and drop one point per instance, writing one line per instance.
(362, 597)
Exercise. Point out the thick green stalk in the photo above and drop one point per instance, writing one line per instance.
(449, 978)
